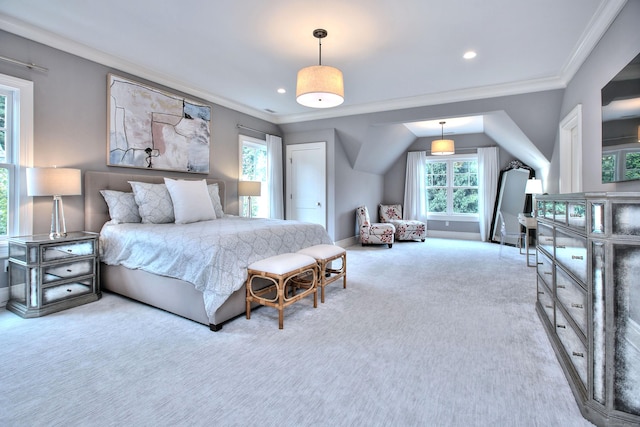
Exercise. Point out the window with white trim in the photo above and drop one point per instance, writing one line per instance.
(16, 151)
(452, 187)
(253, 167)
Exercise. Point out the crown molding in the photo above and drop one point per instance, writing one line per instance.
(483, 92)
(607, 12)
(55, 41)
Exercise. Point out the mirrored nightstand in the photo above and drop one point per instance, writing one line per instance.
(48, 275)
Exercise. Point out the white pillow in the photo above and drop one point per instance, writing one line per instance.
(122, 206)
(214, 193)
(154, 202)
(191, 201)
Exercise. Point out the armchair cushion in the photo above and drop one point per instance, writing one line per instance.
(406, 229)
(373, 233)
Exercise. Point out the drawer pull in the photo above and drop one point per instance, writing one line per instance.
(577, 306)
(69, 290)
(561, 326)
(575, 353)
(549, 306)
(69, 270)
(70, 250)
(561, 286)
(561, 246)
(548, 273)
(577, 257)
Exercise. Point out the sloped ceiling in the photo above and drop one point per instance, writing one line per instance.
(394, 55)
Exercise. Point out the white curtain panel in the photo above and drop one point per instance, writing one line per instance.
(488, 173)
(274, 171)
(415, 198)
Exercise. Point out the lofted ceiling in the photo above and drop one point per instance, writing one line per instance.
(394, 54)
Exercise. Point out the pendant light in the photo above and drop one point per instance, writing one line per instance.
(320, 86)
(442, 147)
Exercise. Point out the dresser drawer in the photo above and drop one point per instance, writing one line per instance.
(577, 216)
(68, 250)
(545, 299)
(545, 269)
(66, 291)
(545, 238)
(67, 270)
(571, 252)
(573, 346)
(573, 298)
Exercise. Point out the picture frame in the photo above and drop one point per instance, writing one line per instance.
(150, 128)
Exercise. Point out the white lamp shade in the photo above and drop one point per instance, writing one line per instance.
(442, 147)
(320, 86)
(249, 188)
(54, 182)
(534, 186)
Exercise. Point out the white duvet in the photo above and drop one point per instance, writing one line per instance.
(212, 255)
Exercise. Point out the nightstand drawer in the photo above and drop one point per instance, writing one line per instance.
(68, 250)
(66, 291)
(54, 272)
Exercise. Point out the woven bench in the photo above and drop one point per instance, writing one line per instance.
(287, 272)
(324, 255)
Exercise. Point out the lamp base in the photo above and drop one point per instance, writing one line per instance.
(58, 225)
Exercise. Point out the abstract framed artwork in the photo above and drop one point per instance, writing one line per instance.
(153, 129)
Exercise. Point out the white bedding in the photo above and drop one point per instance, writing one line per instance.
(212, 255)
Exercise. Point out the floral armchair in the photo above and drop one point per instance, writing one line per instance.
(373, 233)
(405, 229)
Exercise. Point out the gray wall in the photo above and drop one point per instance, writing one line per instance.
(71, 123)
(618, 46)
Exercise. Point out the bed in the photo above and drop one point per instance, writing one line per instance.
(213, 291)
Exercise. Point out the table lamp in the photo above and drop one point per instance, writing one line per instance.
(249, 189)
(56, 182)
(533, 187)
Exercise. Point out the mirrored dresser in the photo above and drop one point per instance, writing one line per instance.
(588, 287)
(48, 275)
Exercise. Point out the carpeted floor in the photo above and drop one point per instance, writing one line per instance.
(441, 333)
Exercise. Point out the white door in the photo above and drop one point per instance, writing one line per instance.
(306, 183)
(571, 151)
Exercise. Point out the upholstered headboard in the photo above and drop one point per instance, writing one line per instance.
(96, 212)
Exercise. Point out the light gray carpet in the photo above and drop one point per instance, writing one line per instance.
(441, 333)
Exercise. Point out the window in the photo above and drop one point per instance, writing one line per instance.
(6, 163)
(253, 167)
(452, 187)
(16, 148)
(618, 165)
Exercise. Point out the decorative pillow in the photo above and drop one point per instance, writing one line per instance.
(154, 202)
(122, 206)
(214, 193)
(191, 201)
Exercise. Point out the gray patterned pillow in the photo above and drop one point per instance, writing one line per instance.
(122, 206)
(214, 193)
(154, 202)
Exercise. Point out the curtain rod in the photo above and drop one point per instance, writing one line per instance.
(24, 64)
(256, 130)
(460, 148)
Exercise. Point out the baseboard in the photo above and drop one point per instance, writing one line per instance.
(4, 296)
(453, 235)
(349, 241)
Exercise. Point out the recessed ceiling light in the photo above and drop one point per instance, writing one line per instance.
(469, 55)
(282, 90)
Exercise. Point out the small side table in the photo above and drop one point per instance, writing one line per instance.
(48, 275)
(529, 223)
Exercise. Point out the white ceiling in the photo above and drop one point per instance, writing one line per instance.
(393, 53)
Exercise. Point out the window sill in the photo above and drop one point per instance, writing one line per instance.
(454, 218)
